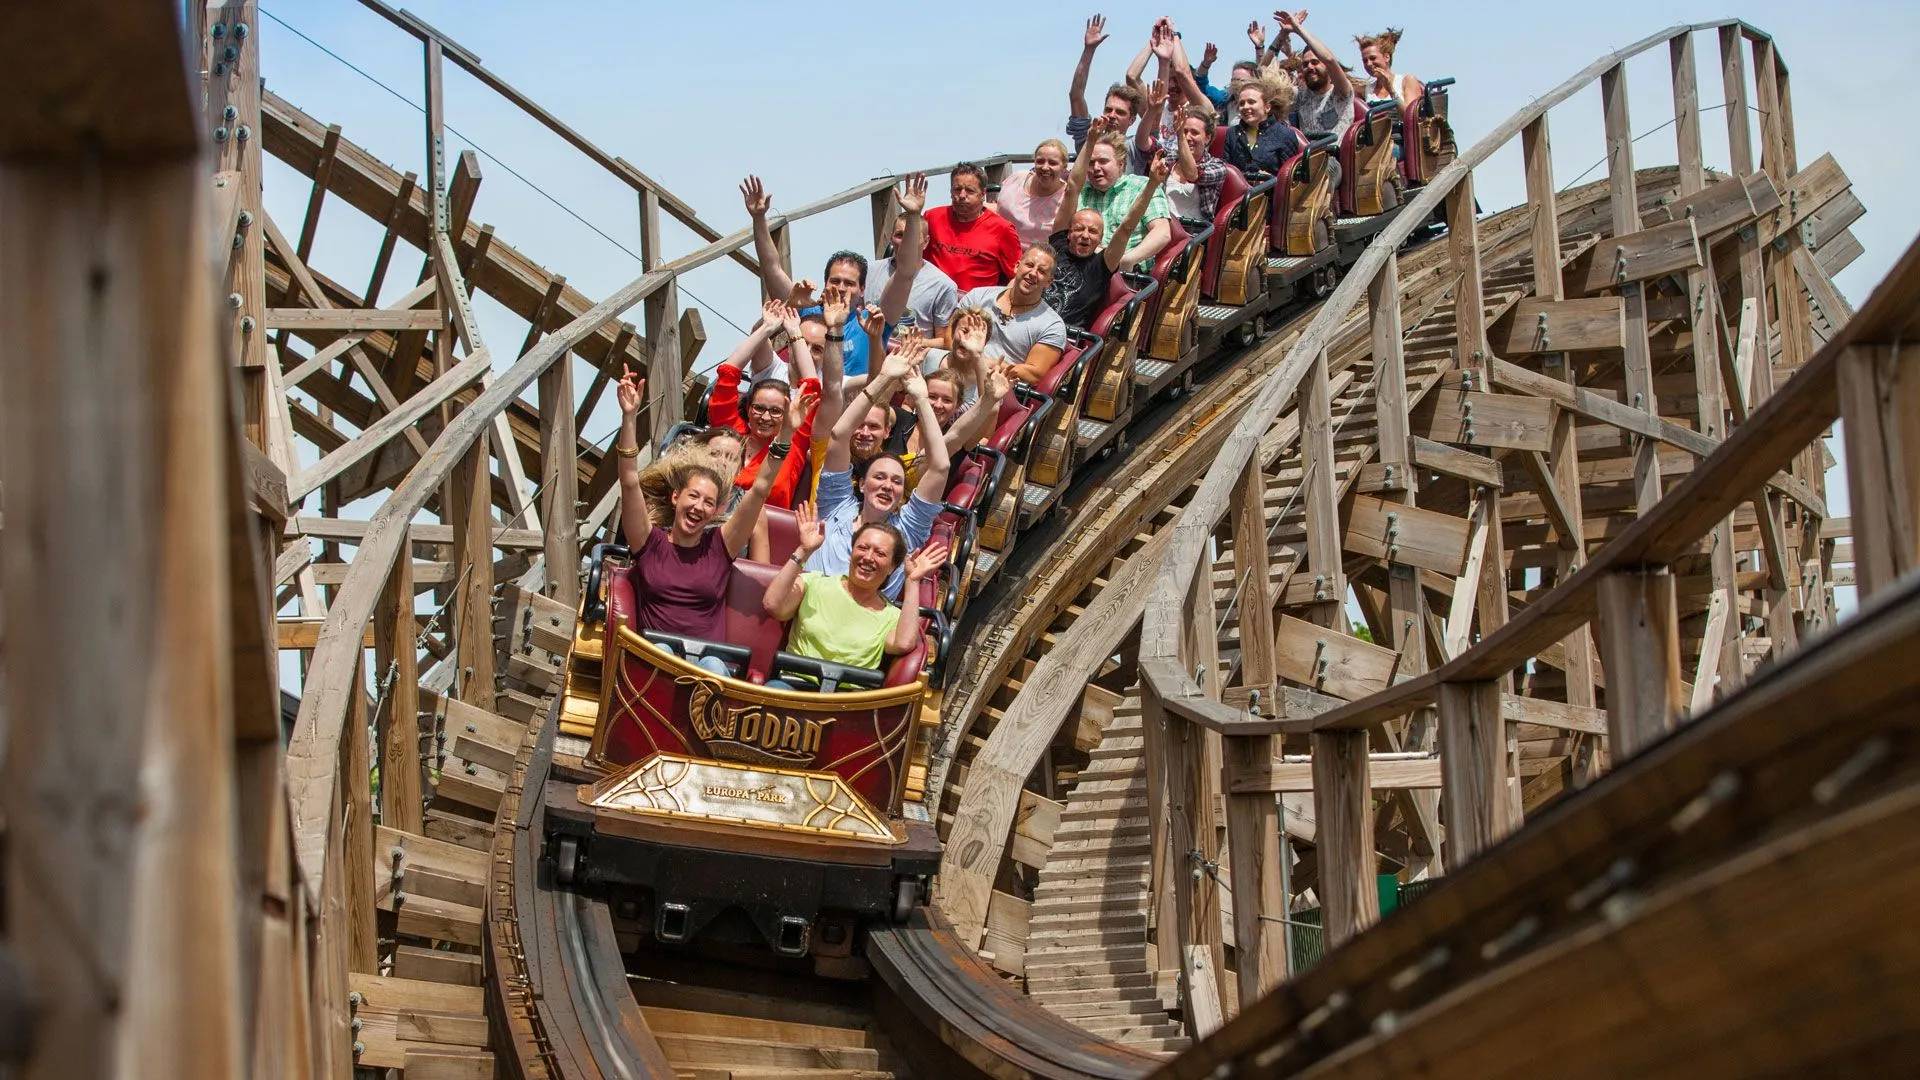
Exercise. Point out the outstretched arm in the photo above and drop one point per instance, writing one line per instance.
(921, 565)
(1117, 246)
(933, 469)
(745, 354)
(1159, 235)
(782, 598)
(1077, 90)
(1077, 178)
(773, 274)
(907, 256)
(982, 417)
(633, 504)
(1183, 74)
(1296, 22)
(1154, 109)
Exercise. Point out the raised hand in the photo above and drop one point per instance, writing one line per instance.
(896, 365)
(1290, 21)
(1096, 31)
(812, 532)
(1157, 172)
(916, 387)
(913, 193)
(755, 197)
(872, 322)
(799, 407)
(1208, 55)
(800, 297)
(1156, 97)
(790, 321)
(1161, 42)
(1097, 127)
(632, 391)
(999, 384)
(913, 350)
(833, 307)
(970, 335)
(1257, 33)
(774, 313)
(927, 561)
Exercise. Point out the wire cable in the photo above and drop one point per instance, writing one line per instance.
(515, 173)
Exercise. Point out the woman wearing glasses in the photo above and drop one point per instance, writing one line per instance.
(760, 416)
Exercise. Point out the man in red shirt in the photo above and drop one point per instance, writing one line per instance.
(972, 246)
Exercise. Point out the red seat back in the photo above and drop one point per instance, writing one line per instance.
(1279, 203)
(1013, 416)
(1162, 266)
(1219, 145)
(1346, 199)
(783, 532)
(1233, 192)
(748, 623)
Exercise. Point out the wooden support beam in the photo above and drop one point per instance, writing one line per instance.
(1623, 197)
(1389, 361)
(1193, 770)
(356, 765)
(322, 176)
(383, 258)
(1322, 506)
(398, 674)
(664, 405)
(119, 792)
(1880, 406)
(352, 319)
(1476, 469)
(1463, 262)
(1640, 639)
(1473, 780)
(1343, 814)
(1466, 587)
(1253, 822)
(560, 483)
(1733, 82)
(472, 520)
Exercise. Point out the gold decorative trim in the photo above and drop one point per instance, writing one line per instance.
(783, 800)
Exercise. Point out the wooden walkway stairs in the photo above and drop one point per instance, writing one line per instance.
(1088, 959)
(426, 1015)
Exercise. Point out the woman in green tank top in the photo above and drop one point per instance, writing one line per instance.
(843, 618)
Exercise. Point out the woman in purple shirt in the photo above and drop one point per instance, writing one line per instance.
(680, 569)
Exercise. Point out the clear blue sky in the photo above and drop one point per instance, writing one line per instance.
(697, 95)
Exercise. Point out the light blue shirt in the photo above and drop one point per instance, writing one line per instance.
(839, 508)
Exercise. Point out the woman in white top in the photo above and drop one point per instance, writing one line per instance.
(1030, 198)
(1376, 55)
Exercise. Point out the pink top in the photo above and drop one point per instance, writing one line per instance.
(1032, 218)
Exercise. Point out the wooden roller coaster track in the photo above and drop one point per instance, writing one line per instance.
(1566, 462)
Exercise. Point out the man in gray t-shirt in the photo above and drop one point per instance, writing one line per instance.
(1325, 102)
(1031, 340)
